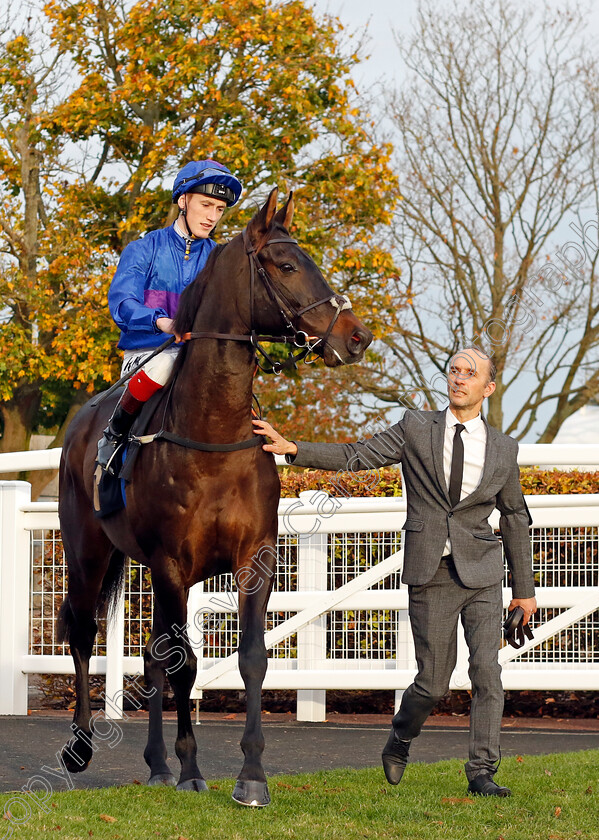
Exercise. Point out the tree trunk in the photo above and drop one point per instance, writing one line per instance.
(39, 479)
(17, 420)
(495, 410)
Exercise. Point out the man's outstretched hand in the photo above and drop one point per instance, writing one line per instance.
(279, 445)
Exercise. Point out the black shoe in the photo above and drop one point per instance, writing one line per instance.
(395, 758)
(483, 785)
(113, 436)
(107, 447)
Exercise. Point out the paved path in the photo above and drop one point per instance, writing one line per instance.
(29, 743)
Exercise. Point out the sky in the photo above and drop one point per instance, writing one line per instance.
(379, 18)
(382, 20)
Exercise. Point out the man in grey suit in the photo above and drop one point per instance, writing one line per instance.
(456, 469)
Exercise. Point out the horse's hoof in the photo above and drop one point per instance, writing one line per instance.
(253, 794)
(78, 753)
(162, 779)
(197, 785)
(72, 764)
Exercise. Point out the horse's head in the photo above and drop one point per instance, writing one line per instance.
(290, 295)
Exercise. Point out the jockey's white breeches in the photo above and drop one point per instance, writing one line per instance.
(157, 369)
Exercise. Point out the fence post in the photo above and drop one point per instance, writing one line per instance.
(15, 565)
(197, 639)
(312, 566)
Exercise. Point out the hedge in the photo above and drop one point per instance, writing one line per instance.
(387, 482)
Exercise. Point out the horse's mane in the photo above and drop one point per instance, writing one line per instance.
(191, 297)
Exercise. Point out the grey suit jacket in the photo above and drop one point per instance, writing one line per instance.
(417, 443)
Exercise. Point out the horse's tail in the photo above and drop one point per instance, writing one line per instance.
(112, 584)
(65, 623)
(107, 599)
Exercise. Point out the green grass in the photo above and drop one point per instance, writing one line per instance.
(555, 797)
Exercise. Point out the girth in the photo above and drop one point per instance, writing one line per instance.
(257, 440)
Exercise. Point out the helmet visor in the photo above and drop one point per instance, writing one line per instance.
(220, 191)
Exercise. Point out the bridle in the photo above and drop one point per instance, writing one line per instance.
(287, 310)
(290, 315)
(299, 338)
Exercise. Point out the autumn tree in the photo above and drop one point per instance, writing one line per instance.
(496, 226)
(96, 119)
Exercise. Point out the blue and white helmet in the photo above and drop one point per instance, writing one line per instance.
(210, 178)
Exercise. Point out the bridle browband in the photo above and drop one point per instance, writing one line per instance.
(287, 310)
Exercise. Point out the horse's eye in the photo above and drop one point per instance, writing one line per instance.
(287, 268)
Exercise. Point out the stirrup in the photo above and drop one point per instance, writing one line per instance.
(117, 441)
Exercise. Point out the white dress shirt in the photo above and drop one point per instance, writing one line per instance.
(474, 437)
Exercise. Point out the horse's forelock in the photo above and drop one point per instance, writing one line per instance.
(275, 230)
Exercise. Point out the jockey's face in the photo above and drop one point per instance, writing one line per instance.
(203, 212)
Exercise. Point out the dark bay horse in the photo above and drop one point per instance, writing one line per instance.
(193, 514)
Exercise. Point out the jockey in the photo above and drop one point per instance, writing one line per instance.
(145, 290)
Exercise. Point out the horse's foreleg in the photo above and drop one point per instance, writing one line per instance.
(182, 680)
(155, 753)
(171, 650)
(251, 787)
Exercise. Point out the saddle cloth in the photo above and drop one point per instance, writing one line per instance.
(110, 490)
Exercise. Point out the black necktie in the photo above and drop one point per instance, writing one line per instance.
(457, 465)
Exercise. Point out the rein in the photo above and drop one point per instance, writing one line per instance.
(299, 338)
(257, 440)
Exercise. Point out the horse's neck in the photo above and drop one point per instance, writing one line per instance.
(213, 391)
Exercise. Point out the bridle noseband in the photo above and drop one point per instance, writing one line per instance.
(289, 313)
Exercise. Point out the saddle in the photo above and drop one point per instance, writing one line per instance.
(109, 489)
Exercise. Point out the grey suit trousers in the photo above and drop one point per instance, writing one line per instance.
(435, 608)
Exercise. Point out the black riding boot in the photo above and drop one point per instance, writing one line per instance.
(119, 424)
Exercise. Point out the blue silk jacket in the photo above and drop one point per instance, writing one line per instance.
(148, 282)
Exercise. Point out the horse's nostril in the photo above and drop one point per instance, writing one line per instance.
(358, 342)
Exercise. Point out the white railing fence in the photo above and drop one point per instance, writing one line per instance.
(337, 617)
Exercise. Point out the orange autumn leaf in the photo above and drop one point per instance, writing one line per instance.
(457, 800)
(276, 110)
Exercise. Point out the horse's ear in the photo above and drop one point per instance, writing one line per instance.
(261, 223)
(285, 215)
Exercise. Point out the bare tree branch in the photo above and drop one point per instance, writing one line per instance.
(497, 132)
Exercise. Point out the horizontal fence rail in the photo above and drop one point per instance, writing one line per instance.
(529, 454)
(337, 617)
